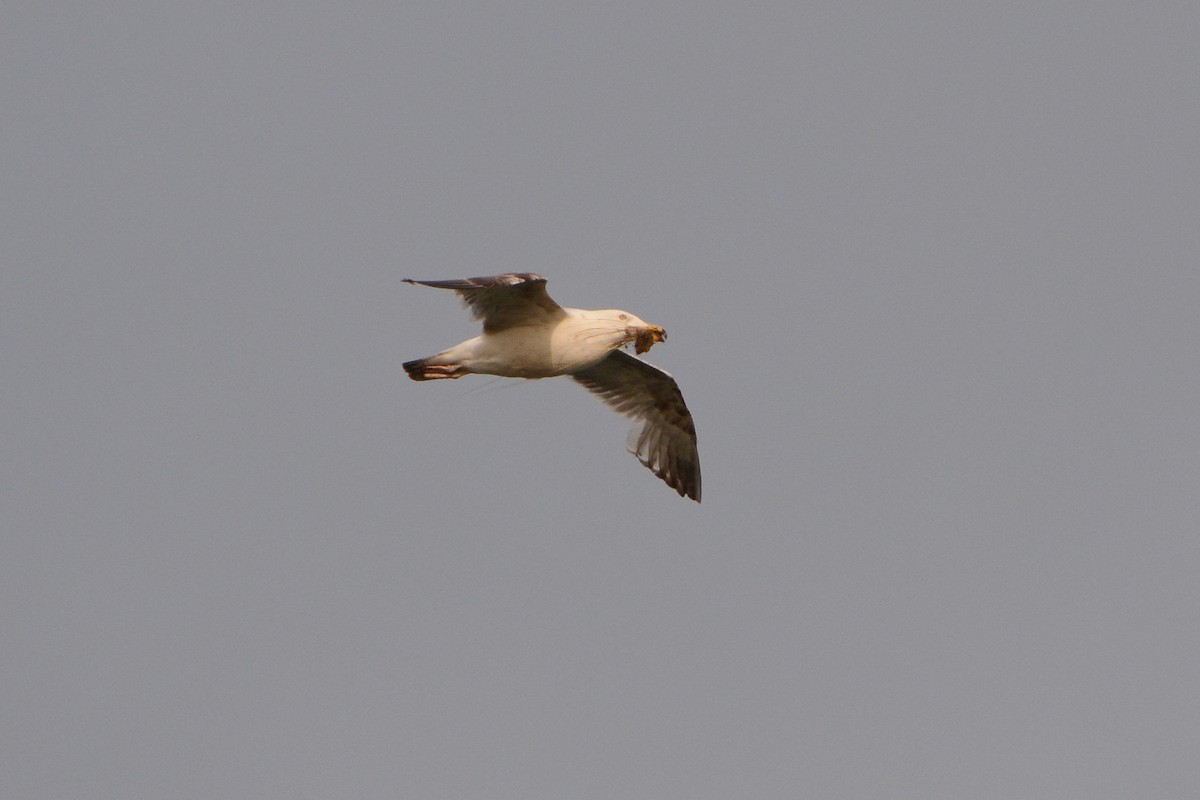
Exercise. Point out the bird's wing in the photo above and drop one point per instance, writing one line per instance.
(504, 301)
(665, 441)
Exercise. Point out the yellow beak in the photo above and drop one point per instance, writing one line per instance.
(648, 337)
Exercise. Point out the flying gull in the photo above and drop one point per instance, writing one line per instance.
(528, 335)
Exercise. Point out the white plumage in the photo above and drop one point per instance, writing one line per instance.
(528, 335)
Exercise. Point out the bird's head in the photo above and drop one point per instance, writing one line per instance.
(629, 328)
(637, 331)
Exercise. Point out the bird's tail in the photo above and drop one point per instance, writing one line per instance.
(426, 369)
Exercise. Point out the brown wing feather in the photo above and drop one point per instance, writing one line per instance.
(503, 301)
(665, 441)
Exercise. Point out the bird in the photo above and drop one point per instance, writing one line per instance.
(528, 335)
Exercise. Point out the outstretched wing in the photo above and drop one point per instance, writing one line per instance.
(504, 301)
(665, 441)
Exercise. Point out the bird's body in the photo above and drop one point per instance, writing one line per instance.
(528, 335)
(576, 341)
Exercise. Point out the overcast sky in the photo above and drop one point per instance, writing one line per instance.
(930, 275)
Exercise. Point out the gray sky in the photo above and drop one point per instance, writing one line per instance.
(929, 272)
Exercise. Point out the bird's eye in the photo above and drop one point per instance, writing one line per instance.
(622, 316)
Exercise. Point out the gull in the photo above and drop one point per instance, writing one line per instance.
(528, 335)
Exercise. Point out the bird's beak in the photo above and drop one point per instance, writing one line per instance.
(648, 337)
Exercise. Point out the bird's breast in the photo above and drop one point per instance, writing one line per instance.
(579, 343)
